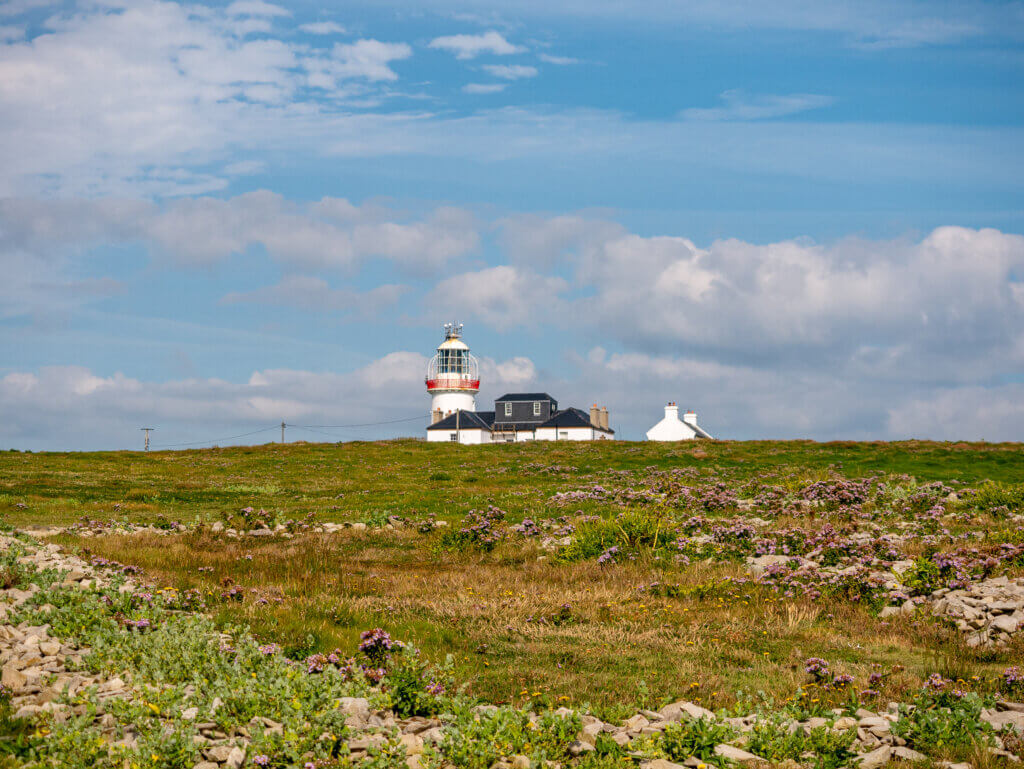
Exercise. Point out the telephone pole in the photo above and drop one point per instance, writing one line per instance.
(146, 430)
(282, 432)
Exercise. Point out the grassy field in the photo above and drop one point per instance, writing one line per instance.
(672, 612)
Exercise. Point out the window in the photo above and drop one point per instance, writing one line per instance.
(508, 409)
(564, 435)
(453, 437)
(536, 408)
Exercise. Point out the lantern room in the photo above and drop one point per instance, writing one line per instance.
(453, 377)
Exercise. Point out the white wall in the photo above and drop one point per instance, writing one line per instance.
(467, 437)
(571, 434)
(450, 402)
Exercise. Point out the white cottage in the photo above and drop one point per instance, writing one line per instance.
(672, 428)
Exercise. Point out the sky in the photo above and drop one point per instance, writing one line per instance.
(799, 219)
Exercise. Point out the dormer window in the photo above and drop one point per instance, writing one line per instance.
(536, 408)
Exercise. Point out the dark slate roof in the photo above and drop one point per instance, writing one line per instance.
(467, 420)
(572, 417)
(699, 430)
(524, 397)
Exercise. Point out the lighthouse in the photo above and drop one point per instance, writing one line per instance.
(453, 377)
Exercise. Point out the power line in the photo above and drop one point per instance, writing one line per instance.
(310, 428)
(364, 424)
(216, 440)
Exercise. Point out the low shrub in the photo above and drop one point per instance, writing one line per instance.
(696, 738)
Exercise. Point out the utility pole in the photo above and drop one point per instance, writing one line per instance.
(282, 432)
(146, 431)
(458, 435)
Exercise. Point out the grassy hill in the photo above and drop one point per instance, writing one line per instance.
(614, 574)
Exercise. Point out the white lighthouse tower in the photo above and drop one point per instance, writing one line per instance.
(453, 377)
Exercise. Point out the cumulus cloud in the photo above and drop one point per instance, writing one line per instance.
(330, 233)
(502, 297)
(322, 28)
(71, 96)
(881, 305)
(560, 61)
(72, 407)
(484, 88)
(511, 71)
(471, 46)
(738, 105)
(368, 59)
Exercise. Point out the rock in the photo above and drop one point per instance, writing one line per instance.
(635, 723)
(1004, 623)
(12, 678)
(682, 710)
(906, 754)
(236, 758)
(432, 736)
(218, 753)
(205, 765)
(876, 759)
(355, 706)
(889, 611)
(659, 763)
(1004, 718)
(519, 761)
(113, 685)
(413, 743)
(260, 533)
(732, 753)
(189, 714)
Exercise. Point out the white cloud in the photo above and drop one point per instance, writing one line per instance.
(502, 297)
(71, 96)
(484, 88)
(559, 61)
(741, 106)
(471, 46)
(367, 59)
(255, 8)
(962, 413)
(70, 407)
(511, 71)
(322, 28)
(45, 244)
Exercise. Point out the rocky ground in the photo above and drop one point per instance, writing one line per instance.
(49, 686)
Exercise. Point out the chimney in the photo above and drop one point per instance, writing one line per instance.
(671, 410)
(690, 417)
(595, 416)
(436, 416)
(604, 417)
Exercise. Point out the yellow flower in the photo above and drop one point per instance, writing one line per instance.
(154, 708)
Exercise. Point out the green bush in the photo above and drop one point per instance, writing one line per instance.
(935, 722)
(1000, 499)
(696, 738)
(630, 531)
(776, 741)
(475, 740)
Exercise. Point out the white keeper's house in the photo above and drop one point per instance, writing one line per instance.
(453, 380)
(672, 428)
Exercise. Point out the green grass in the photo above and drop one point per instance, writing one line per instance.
(348, 481)
(502, 613)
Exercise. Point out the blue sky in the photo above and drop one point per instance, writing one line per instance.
(800, 219)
